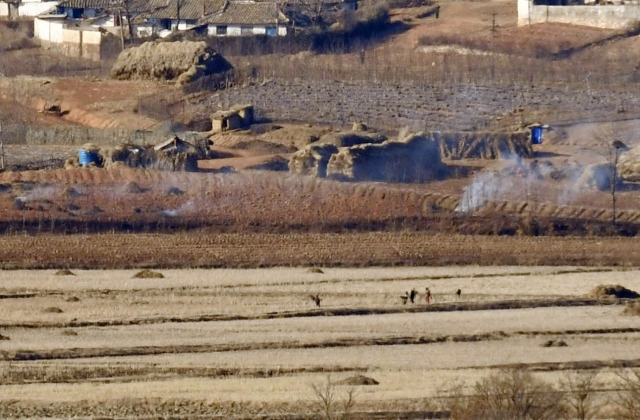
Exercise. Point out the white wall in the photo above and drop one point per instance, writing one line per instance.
(36, 8)
(4, 9)
(237, 30)
(606, 16)
(47, 30)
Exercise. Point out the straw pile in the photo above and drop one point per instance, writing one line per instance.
(413, 158)
(604, 291)
(182, 61)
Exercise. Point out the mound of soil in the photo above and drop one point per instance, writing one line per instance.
(4, 337)
(73, 299)
(175, 191)
(65, 272)
(632, 308)
(148, 274)
(612, 291)
(358, 380)
(68, 332)
(555, 343)
(53, 310)
(315, 270)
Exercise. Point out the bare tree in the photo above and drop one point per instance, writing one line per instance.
(580, 394)
(329, 405)
(628, 398)
(129, 9)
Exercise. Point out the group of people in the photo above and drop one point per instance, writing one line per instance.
(411, 296)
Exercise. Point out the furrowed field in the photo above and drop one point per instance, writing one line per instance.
(247, 343)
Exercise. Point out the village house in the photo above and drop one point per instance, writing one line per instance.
(219, 17)
(246, 18)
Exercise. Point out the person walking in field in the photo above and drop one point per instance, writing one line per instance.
(404, 298)
(316, 299)
(427, 295)
(412, 296)
(458, 293)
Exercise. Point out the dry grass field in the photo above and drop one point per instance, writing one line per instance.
(248, 343)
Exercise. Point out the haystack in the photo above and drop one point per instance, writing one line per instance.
(312, 160)
(352, 138)
(414, 158)
(182, 61)
(148, 274)
(169, 158)
(605, 291)
(482, 145)
(64, 272)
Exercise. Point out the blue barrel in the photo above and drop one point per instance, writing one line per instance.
(536, 135)
(85, 157)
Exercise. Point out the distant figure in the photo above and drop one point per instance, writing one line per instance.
(458, 293)
(437, 11)
(316, 299)
(412, 296)
(427, 295)
(362, 54)
(404, 298)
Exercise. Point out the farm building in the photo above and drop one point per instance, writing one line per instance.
(611, 14)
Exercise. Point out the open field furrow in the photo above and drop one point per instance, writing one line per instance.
(116, 352)
(204, 249)
(448, 307)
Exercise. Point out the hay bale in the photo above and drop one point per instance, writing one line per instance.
(183, 61)
(606, 291)
(312, 160)
(352, 138)
(315, 270)
(73, 299)
(415, 158)
(64, 272)
(68, 332)
(358, 380)
(148, 274)
(52, 310)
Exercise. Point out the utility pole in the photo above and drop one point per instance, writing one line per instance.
(1, 149)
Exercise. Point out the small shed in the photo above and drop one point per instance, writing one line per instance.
(238, 117)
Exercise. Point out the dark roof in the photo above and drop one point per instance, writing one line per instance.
(189, 9)
(86, 4)
(247, 13)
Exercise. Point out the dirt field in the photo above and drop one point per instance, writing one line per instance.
(251, 342)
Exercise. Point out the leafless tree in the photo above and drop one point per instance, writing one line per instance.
(627, 400)
(579, 394)
(329, 405)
